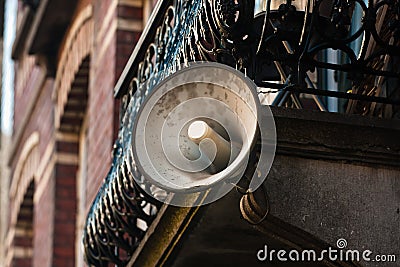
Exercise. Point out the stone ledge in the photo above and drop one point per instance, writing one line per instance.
(333, 136)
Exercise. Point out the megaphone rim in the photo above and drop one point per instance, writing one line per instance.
(235, 165)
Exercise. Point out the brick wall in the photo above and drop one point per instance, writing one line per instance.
(117, 26)
(41, 121)
(37, 118)
(64, 212)
(43, 225)
(25, 74)
(117, 29)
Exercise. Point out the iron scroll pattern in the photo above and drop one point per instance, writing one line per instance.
(196, 30)
(364, 34)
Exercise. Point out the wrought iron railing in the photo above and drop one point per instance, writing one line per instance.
(279, 49)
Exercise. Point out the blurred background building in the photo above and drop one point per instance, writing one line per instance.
(67, 58)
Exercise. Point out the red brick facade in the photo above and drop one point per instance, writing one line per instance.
(53, 110)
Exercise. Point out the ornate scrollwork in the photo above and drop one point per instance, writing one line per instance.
(195, 31)
(364, 36)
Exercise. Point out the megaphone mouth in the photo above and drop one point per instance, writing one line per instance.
(195, 130)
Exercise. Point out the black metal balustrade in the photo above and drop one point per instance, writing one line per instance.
(282, 49)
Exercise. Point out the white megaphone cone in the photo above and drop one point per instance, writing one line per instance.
(195, 131)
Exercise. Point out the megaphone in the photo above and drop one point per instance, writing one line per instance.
(194, 132)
